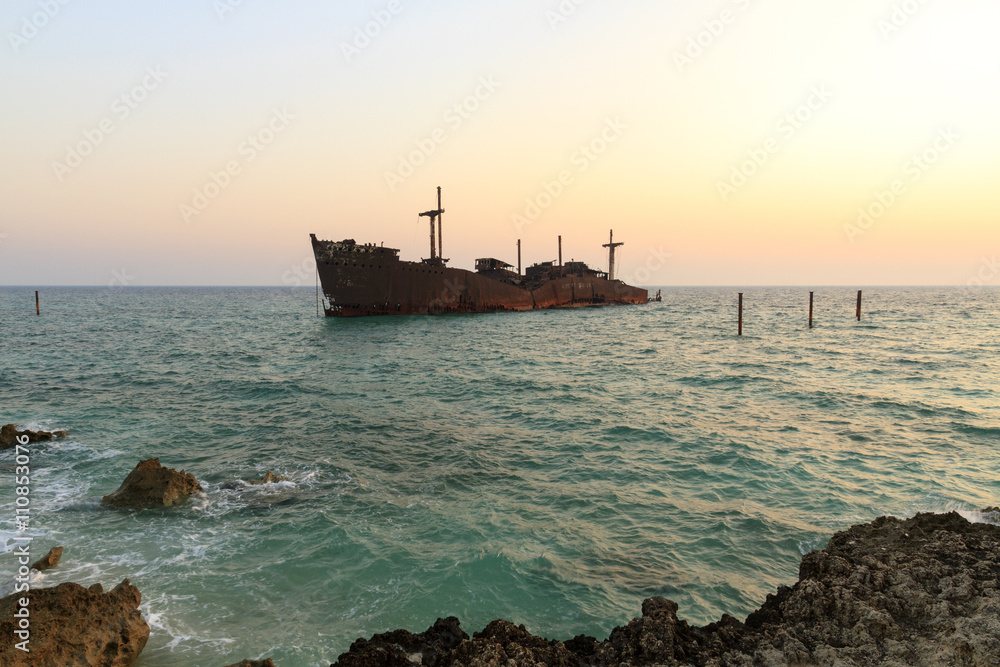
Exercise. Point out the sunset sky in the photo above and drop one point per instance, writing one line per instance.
(735, 142)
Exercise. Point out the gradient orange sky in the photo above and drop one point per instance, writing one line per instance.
(740, 142)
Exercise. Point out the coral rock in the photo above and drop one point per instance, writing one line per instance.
(9, 435)
(152, 485)
(923, 591)
(401, 648)
(71, 625)
(50, 559)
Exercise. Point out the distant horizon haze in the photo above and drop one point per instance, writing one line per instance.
(738, 142)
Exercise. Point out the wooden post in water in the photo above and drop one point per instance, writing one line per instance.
(741, 315)
(859, 305)
(810, 310)
(38, 309)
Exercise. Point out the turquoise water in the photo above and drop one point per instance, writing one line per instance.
(553, 468)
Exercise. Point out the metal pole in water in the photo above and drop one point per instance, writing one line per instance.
(741, 315)
(38, 309)
(317, 288)
(859, 305)
(810, 310)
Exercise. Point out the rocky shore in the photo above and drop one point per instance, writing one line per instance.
(920, 591)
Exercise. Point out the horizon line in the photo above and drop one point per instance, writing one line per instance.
(647, 287)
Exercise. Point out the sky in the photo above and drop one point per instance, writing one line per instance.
(730, 142)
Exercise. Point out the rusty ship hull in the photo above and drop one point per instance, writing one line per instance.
(362, 280)
(367, 279)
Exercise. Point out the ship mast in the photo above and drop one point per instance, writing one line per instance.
(611, 245)
(436, 215)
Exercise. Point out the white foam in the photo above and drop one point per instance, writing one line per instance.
(162, 622)
(200, 502)
(76, 447)
(83, 573)
(979, 516)
(43, 425)
(221, 498)
(55, 489)
(243, 485)
(284, 484)
(808, 546)
(937, 504)
(9, 539)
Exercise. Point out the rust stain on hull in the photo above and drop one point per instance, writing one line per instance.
(367, 279)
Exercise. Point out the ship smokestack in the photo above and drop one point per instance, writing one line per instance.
(440, 217)
(519, 257)
(560, 255)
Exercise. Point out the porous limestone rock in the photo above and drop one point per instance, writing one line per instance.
(49, 560)
(152, 485)
(9, 435)
(919, 591)
(71, 625)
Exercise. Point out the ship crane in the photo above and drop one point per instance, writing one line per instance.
(611, 245)
(436, 216)
(367, 279)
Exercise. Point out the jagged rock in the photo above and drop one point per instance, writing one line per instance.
(657, 637)
(152, 485)
(924, 591)
(269, 478)
(501, 643)
(266, 662)
(919, 591)
(400, 648)
(50, 559)
(583, 646)
(9, 435)
(72, 625)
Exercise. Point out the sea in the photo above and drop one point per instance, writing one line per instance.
(553, 468)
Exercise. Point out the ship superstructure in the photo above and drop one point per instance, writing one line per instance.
(368, 279)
